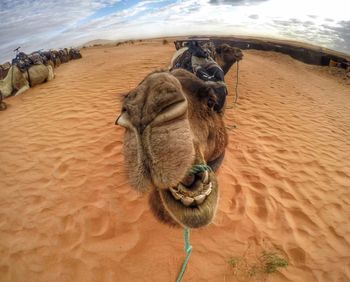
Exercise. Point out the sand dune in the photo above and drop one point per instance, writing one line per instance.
(68, 214)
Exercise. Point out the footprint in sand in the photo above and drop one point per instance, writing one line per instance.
(113, 146)
(61, 170)
(297, 255)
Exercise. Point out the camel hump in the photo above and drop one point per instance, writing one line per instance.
(193, 85)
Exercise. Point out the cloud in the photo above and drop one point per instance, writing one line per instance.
(336, 36)
(341, 33)
(236, 2)
(28, 23)
(254, 17)
(36, 24)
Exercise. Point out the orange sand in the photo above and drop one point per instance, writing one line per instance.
(68, 214)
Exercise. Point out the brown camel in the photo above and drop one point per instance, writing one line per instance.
(224, 55)
(18, 82)
(171, 128)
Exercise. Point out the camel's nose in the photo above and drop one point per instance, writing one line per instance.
(239, 55)
(171, 112)
(158, 99)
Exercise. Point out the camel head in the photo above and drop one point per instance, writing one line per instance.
(226, 56)
(171, 131)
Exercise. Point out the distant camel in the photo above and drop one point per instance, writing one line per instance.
(55, 58)
(20, 82)
(3, 105)
(74, 54)
(4, 70)
(224, 55)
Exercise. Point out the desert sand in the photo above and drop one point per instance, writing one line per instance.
(67, 212)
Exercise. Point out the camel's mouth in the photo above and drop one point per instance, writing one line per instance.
(192, 203)
(239, 56)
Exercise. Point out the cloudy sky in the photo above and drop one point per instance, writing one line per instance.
(36, 24)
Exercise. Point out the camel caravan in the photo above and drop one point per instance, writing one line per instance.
(29, 70)
(175, 137)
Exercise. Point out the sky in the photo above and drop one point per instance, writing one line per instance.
(44, 24)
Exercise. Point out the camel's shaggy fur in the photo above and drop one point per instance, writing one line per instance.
(170, 126)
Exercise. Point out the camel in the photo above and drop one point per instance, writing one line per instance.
(50, 57)
(74, 54)
(63, 55)
(20, 82)
(3, 105)
(224, 55)
(55, 57)
(4, 70)
(170, 129)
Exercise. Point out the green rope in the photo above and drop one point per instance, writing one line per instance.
(188, 250)
(199, 168)
(187, 247)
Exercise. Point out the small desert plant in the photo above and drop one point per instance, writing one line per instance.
(257, 267)
(271, 261)
(165, 42)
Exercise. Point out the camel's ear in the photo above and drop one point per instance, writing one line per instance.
(225, 48)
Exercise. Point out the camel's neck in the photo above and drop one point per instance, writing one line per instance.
(6, 86)
(227, 65)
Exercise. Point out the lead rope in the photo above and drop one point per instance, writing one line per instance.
(188, 251)
(230, 127)
(236, 90)
(187, 247)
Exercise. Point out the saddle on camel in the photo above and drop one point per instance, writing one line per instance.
(198, 61)
(24, 61)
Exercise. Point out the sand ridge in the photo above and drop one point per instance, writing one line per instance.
(68, 214)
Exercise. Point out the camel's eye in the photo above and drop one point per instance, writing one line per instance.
(125, 110)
